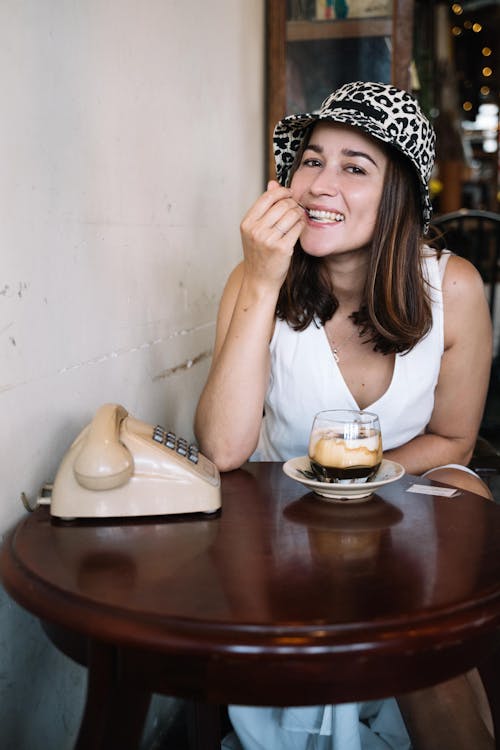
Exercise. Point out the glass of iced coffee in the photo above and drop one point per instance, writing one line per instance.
(345, 446)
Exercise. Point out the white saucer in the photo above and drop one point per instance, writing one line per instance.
(356, 492)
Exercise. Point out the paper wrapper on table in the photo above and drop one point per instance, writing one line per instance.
(336, 9)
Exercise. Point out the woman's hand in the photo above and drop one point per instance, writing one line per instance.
(269, 232)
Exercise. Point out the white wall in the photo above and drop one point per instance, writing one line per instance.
(131, 143)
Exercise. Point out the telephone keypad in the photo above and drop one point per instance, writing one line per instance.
(158, 434)
(193, 454)
(178, 444)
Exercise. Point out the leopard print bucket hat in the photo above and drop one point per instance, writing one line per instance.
(383, 111)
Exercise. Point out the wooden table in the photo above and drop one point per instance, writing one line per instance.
(283, 599)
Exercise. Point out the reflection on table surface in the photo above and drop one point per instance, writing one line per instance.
(277, 555)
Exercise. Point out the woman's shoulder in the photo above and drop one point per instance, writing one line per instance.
(458, 274)
(466, 312)
(462, 279)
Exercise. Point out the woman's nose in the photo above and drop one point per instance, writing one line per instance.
(325, 183)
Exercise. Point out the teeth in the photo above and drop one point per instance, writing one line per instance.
(326, 216)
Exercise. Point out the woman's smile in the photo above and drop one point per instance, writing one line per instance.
(323, 216)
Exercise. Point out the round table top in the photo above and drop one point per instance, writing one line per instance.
(280, 574)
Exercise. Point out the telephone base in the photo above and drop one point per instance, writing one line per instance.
(136, 499)
(157, 518)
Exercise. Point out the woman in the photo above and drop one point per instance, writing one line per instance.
(339, 303)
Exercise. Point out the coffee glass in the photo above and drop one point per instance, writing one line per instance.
(345, 446)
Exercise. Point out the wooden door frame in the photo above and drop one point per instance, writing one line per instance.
(275, 109)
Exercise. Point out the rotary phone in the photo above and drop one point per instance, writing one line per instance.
(119, 466)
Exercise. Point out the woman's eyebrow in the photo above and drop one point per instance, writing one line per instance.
(345, 151)
(362, 154)
(313, 147)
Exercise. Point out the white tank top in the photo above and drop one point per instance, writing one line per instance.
(306, 379)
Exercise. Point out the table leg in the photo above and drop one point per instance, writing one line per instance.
(490, 676)
(114, 712)
(204, 726)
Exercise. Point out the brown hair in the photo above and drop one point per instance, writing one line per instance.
(396, 313)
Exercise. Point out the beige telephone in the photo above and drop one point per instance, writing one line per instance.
(120, 466)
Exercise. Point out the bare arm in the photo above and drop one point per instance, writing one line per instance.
(229, 412)
(463, 379)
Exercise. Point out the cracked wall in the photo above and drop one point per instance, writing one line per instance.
(131, 148)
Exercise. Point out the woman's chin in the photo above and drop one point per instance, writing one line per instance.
(320, 250)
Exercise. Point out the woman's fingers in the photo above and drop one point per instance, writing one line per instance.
(290, 223)
(269, 199)
(284, 221)
(275, 212)
(269, 232)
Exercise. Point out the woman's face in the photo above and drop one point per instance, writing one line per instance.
(339, 183)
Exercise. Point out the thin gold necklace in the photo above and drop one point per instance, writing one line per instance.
(336, 349)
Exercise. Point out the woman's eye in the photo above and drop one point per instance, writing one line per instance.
(311, 162)
(353, 169)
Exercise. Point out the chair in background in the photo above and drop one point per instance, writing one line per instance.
(475, 235)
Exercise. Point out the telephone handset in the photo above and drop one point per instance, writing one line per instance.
(120, 466)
